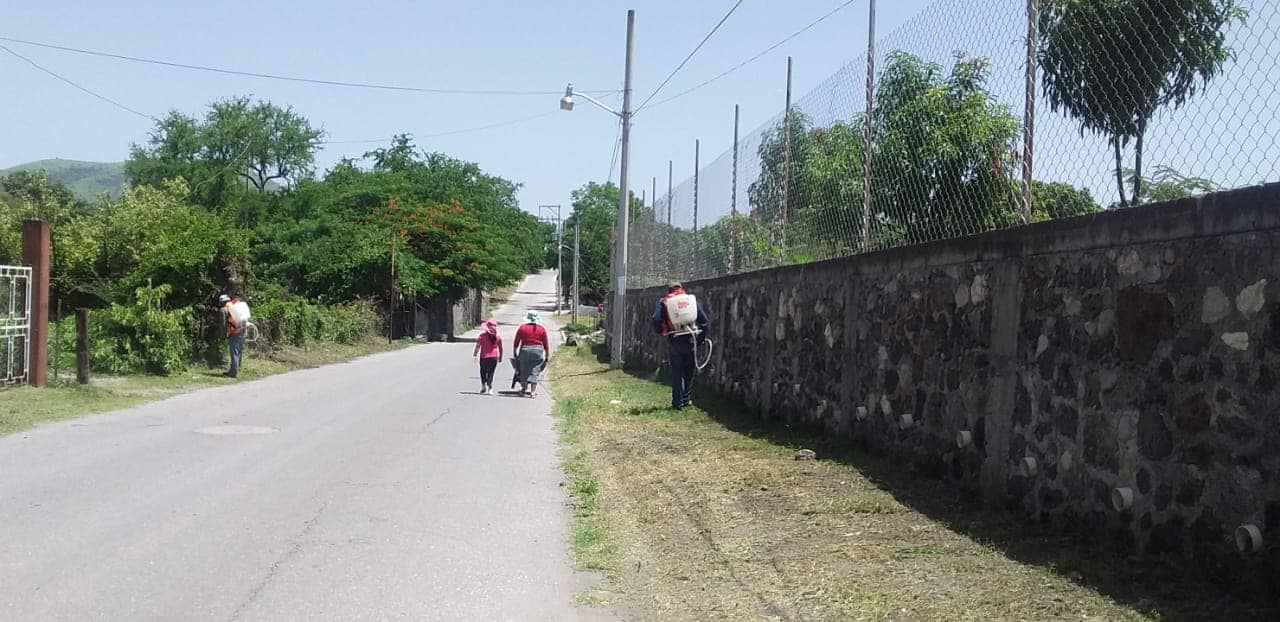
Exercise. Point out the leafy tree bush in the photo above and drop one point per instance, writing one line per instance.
(1113, 64)
(141, 336)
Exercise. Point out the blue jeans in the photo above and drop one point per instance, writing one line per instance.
(680, 352)
(236, 345)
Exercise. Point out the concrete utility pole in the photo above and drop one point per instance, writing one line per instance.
(559, 237)
(577, 254)
(618, 314)
(618, 311)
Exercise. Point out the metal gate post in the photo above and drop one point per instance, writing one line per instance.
(36, 253)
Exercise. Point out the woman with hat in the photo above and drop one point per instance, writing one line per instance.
(488, 352)
(532, 349)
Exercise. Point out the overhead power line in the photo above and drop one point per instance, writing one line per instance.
(271, 76)
(691, 54)
(757, 56)
(77, 86)
(617, 142)
(330, 142)
(450, 132)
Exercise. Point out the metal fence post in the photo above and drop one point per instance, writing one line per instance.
(865, 242)
(653, 221)
(1029, 114)
(733, 195)
(786, 168)
(697, 259)
(670, 228)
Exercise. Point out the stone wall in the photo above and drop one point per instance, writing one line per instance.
(1045, 367)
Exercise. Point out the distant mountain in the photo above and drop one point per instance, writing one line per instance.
(85, 179)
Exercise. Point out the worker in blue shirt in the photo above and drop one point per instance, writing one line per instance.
(682, 339)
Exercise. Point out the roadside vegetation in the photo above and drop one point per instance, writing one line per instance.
(707, 514)
(230, 201)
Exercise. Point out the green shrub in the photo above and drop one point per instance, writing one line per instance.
(298, 323)
(579, 329)
(141, 337)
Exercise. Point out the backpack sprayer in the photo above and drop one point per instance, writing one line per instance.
(682, 310)
(240, 315)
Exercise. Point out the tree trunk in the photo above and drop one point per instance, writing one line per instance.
(1115, 142)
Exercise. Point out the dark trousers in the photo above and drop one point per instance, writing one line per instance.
(680, 352)
(487, 367)
(236, 344)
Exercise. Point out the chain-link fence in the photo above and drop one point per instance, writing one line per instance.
(983, 114)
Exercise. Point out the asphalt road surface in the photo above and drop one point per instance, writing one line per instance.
(385, 488)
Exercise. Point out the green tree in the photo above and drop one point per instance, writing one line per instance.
(737, 242)
(1167, 184)
(153, 236)
(1058, 200)
(1113, 64)
(257, 143)
(595, 210)
(941, 149)
(832, 178)
(941, 146)
(765, 195)
(453, 226)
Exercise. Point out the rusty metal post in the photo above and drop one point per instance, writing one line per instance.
(36, 253)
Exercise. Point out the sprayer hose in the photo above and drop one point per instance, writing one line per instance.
(706, 361)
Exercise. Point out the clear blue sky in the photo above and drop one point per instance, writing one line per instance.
(462, 45)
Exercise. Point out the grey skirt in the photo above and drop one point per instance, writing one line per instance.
(529, 363)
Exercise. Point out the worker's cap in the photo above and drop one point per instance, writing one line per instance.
(223, 298)
(674, 285)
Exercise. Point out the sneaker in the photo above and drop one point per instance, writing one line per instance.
(490, 390)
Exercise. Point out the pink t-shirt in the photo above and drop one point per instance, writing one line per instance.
(489, 345)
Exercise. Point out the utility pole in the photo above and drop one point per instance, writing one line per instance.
(618, 310)
(577, 254)
(618, 314)
(559, 237)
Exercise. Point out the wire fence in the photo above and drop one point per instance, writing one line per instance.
(982, 115)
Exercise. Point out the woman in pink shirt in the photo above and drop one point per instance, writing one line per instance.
(488, 351)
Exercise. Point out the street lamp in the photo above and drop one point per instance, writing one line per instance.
(617, 312)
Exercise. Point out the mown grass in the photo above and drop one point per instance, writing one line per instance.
(25, 407)
(705, 514)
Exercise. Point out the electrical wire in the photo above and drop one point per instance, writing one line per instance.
(490, 126)
(690, 56)
(77, 86)
(330, 142)
(617, 143)
(757, 56)
(270, 76)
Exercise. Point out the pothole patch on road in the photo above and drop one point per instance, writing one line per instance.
(236, 430)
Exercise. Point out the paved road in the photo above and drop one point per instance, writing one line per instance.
(382, 488)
